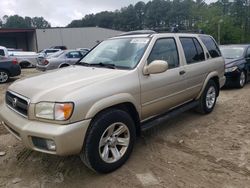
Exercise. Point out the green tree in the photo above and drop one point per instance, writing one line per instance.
(40, 22)
(15, 22)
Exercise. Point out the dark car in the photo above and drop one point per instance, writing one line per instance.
(237, 64)
(9, 67)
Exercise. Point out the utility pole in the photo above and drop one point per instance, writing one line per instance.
(219, 30)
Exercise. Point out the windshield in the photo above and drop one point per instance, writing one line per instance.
(122, 53)
(232, 52)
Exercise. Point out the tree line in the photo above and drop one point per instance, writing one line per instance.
(16, 21)
(228, 21)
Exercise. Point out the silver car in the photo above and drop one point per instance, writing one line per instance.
(60, 59)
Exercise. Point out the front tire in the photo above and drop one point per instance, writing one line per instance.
(4, 76)
(208, 98)
(109, 141)
(241, 81)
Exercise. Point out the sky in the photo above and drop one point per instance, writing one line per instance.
(61, 12)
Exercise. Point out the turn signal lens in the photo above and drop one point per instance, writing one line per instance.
(63, 111)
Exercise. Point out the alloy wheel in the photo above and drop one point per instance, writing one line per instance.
(242, 79)
(114, 142)
(3, 76)
(210, 97)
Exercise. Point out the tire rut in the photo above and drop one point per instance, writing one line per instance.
(221, 162)
(23, 156)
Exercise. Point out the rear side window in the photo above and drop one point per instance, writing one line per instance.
(192, 49)
(165, 49)
(211, 46)
(74, 54)
(2, 52)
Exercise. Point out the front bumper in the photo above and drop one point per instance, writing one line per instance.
(68, 138)
(222, 81)
(41, 68)
(232, 77)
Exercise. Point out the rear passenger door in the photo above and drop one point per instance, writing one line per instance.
(195, 68)
(160, 92)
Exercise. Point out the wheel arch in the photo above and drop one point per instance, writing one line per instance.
(63, 65)
(123, 102)
(24, 62)
(212, 76)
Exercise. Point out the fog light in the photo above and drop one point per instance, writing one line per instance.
(44, 144)
(51, 145)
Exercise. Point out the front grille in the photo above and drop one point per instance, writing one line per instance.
(17, 103)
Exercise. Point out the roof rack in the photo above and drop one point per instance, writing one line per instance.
(138, 32)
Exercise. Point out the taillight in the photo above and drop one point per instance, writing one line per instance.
(46, 62)
(14, 61)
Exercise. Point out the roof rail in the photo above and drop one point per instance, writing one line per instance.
(138, 32)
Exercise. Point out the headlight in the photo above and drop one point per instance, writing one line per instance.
(231, 69)
(54, 111)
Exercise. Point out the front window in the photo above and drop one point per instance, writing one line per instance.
(121, 53)
(232, 52)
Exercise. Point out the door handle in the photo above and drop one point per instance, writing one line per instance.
(182, 72)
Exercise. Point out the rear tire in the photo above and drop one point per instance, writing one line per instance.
(208, 98)
(4, 76)
(109, 141)
(24, 64)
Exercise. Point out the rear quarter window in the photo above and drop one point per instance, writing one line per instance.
(192, 50)
(211, 46)
(2, 52)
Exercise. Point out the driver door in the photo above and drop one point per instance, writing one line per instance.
(160, 92)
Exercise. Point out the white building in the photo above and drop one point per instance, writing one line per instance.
(38, 39)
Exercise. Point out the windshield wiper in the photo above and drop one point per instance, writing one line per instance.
(82, 63)
(101, 64)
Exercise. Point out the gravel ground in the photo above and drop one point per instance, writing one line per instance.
(189, 151)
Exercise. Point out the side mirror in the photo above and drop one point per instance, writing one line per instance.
(155, 67)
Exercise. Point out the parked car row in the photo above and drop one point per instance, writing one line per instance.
(60, 59)
(31, 59)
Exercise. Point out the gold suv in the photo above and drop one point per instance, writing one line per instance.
(124, 85)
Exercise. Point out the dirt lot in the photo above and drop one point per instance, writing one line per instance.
(189, 151)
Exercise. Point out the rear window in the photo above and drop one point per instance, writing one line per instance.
(211, 46)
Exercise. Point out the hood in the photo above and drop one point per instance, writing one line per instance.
(54, 85)
(234, 62)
